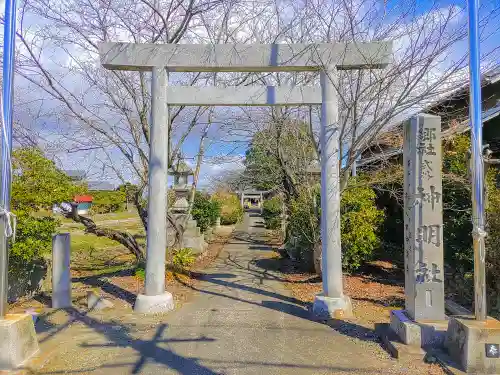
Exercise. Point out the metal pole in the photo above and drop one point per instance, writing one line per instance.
(6, 142)
(478, 232)
(157, 195)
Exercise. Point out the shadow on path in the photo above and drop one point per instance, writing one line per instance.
(270, 269)
(150, 351)
(294, 307)
(119, 336)
(287, 308)
(116, 291)
(230, 284)
(258, 225)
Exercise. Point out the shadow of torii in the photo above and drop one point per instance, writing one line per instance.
(149, 350)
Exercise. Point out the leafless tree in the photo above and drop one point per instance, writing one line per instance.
(429, 61)
(107, 113)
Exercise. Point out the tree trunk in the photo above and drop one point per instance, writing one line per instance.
(199, 161)
(143, 214)
(124, 238)
(317, 257)
(344, 179)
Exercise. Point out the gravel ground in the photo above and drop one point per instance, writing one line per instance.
(374, 294)
(241, 319)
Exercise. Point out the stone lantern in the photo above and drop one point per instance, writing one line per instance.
(181, 172)
(192, 236)
(314, 171)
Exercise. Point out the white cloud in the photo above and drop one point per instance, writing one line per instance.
(218, 166)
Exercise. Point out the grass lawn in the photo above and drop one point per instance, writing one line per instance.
(90, 242)
(105, 217)
(92, 254)
(115, 216)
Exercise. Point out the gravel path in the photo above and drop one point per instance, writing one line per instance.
(242, 320)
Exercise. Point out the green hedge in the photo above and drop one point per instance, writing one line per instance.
(303, 228)
(360, 223)
(108, 201)
(271, 212)
(231, 210)
(205, 211)
(33, 238)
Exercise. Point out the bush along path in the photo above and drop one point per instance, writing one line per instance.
(241, 319)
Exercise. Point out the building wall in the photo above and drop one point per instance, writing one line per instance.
(491, 135)
(83, 208)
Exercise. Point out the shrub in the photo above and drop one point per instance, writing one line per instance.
(140, 273)
(108, 201)
(183, 258)
(492, 242)
(271, 212)
(360, 222)
(231, 210)
(33, 239)
(205, 211)
(457, 205)
(303, 228)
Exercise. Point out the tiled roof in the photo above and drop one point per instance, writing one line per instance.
(486, 116)
(464, 126)
(74, 173)
(100, 186)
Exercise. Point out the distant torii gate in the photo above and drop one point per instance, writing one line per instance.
(325, 58)
(257, 194)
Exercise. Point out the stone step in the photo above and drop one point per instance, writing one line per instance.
(392, 343)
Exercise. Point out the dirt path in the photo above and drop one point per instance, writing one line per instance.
(241, 320)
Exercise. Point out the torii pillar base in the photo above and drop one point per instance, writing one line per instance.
(325, 308)
(154, 304)
(18, 341)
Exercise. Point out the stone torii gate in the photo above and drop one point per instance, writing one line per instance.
(325, 58)
(255, 194)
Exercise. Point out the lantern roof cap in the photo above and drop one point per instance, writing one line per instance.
(181, 167)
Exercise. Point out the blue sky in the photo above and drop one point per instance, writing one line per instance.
(215, 148)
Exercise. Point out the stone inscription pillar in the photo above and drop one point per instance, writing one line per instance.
(423, 219)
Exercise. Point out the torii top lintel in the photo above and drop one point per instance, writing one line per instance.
(244, 57)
